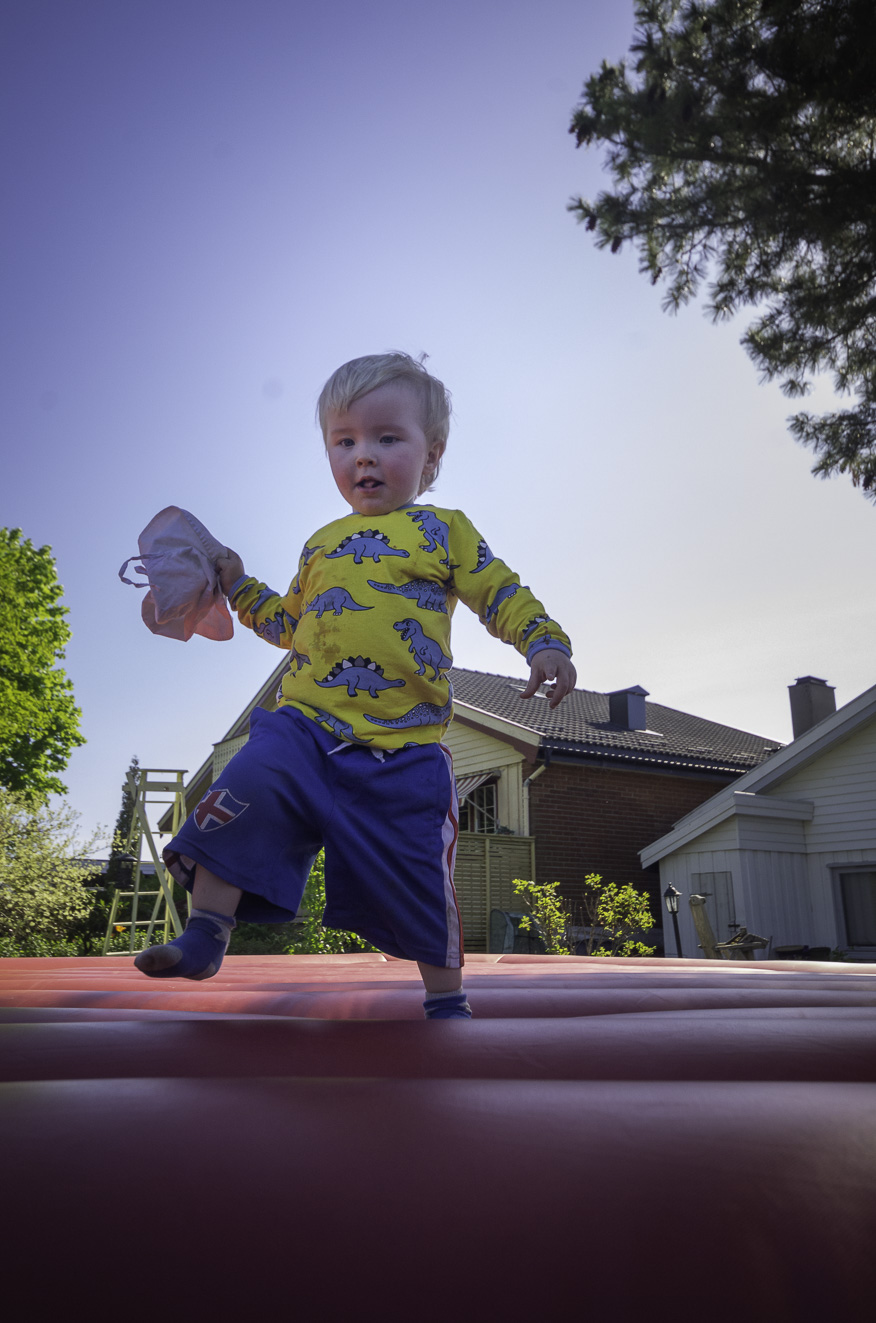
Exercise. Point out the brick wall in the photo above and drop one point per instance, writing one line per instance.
(590, 819)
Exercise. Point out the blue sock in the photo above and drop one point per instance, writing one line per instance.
(197, 954)
(447, 1005)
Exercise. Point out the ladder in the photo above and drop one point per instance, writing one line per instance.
(150, 788)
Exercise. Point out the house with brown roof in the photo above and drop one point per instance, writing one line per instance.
(554, 795)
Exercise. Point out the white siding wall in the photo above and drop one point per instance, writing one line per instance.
(775, 897)
(770, 894)
(473, 751)
(756, 833)
(782, 880)
(725, 836)
(842, 785)
(677, 869)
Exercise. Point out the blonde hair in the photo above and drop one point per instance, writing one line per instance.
(361, 375)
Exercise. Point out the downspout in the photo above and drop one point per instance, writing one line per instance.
(526, 784)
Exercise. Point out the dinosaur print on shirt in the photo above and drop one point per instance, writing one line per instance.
(502, 595)
(335, 600)
(358, 673)
(485, 557)
(368, 634)
(364, 545)
(427, 651)
(431, 596)
(424, 714)
(434, 530)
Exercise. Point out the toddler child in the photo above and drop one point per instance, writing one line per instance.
(352, 759)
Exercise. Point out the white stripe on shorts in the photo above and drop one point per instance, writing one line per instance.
(449, 835)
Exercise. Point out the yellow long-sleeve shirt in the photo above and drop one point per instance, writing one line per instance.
(367, 621)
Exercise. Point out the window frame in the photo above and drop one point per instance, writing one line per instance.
(472, 807)
(839, 871)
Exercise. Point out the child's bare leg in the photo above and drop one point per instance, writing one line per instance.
(211, 893)
(199, 952)
(438, 979)
(446, 999)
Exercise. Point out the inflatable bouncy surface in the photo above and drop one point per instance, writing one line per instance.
(615, 1139)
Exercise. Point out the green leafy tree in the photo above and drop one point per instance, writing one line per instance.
(43, 899)
(613, 918)
(740, 138)
(39, 721)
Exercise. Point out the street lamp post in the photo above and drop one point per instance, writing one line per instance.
(670, 896)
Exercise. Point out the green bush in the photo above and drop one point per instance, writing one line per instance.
(262, 938)
(32, 945)
(612, 917)
(310, 937)
(548, 915)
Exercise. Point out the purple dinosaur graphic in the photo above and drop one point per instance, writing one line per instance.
(430, 596)
(427, 651)
(358, 673)
(424, 714)
(501, 596)
(342, 729)
(366, 543)
(299, 658)
(277, 629)
(485, 557)
(303, 561)
(532, 625)
(335, 600)
(434, 530)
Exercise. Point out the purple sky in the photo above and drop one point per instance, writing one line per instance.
(213, 203)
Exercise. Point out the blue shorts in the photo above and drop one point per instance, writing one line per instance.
(389, 830)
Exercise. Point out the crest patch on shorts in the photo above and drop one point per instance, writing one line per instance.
(217, 809)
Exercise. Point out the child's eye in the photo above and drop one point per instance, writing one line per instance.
(345, 441)
(388, 439)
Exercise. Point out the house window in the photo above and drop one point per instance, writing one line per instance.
(478, 811)
(858, 896)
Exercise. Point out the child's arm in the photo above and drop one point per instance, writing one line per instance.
(551, 665)
(258, 607)
(510, 611)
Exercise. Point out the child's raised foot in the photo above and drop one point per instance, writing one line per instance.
(197, 954)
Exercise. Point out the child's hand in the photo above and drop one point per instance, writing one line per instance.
(551, 665)
(230, 568)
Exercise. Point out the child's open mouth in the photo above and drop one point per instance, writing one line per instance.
(369, 484)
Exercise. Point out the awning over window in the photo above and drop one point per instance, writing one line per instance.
(466, 785)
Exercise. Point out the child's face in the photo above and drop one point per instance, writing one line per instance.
(378, 450)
